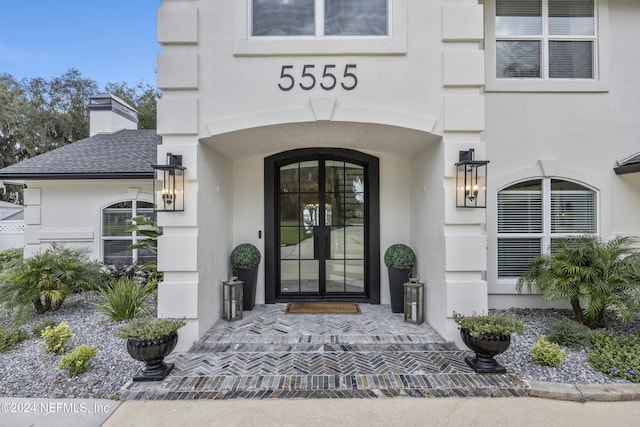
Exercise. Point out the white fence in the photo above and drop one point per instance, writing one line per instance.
(11, 234)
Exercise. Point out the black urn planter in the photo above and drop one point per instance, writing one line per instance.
(152, 353)
(485, 348)
(397, 278)
(250, 277)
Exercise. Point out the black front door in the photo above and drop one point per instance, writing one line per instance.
(320, 220)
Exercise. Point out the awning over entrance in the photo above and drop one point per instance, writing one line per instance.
(630, 164)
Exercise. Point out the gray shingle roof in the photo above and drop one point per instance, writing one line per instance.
(122, 154)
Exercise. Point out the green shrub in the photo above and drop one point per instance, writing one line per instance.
(149, 329)
(10, 258)
(78, 360)
(547, 353)
(124, 298)
(569, 333)
(55, 338)
(400, 257)
(46, 279)
(9, 338)
(245, 256)
(616, 355)
(40, 326)
(489, 324)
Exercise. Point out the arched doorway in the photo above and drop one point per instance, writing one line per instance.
(322, 226)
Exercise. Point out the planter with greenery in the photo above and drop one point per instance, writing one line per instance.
(487, 336)
(150, 340)
(245, 259)
(400, 260)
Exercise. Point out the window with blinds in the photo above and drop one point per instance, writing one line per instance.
(534, 214)
(545, 39)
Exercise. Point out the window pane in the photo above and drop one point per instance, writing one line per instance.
(355, 18)
(518, 17)
(283, 17)
(514, 255)
(571, 17)
(573, 208)
(520, 211)
(517, 59)
(570, 59)
(115, 218)
(117, 252)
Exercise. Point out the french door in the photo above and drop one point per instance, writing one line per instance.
(320, 222)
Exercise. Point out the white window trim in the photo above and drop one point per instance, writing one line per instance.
(134, 238)
(393, 44)
(600, 82)
(546, 234)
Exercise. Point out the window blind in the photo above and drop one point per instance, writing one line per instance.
(520, 212)
(573, 211)
(514, 255)
(571, 17)
(518, 17)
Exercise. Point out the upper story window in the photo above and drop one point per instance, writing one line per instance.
(533, 215)
(116, 241)
(545, 39)
(319, 18)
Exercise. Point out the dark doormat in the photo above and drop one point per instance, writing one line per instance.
(323, 308)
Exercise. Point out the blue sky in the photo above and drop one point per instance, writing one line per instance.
(106, 40)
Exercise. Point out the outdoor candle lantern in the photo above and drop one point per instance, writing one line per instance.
(168, 185)
(471, 181)
(232, 299)
(414, 301)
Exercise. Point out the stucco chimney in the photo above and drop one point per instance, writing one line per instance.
(108, 114)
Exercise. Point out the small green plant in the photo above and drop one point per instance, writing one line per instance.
(78, 360)
(616, 355)
(40, 326)
(489, 324)
(11, 257)
(547, 353)
(124, 298)
(145, 226)
(568, 333)
(149, 329)
(55, 338)
(245, 256)
(9, 338)
(400, 257)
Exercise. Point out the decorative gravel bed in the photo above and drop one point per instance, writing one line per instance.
(28, 371)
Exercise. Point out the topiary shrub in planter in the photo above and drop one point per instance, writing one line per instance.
(150, 340)
(400, 260)
(245, 259)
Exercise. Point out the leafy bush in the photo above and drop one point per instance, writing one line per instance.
(46, 279)
(547, 353)
(9, 338)
(586, 270)
(10, 258)
(244, 256)
(400, 257)
(40, 326)
(124, 298)
(145, 226)
(569, 333)
(149, 329)
(489, 324)
(616, 355)
(78, 360)
(55, 338)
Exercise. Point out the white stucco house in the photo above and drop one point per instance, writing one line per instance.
(323, 132)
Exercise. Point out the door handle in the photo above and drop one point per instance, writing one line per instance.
(327, 242)
(316, 242)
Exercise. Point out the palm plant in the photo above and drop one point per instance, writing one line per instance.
(585, 270)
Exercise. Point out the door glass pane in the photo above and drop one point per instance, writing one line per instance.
(289, 179)
(356, 18)
(290, 209)
(309, 276)
(354, 242)
(283, 18)
(337, 243)
(335, 276)
(290, 238)
(517, 59)
(309, 177)
(354, 276)
(289, 276)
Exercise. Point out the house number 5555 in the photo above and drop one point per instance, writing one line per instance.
(309, 77)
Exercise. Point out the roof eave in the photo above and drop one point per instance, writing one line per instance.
(70, 176)
(625, 169)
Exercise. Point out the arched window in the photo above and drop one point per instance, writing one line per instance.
(116, 241)
(533, 215)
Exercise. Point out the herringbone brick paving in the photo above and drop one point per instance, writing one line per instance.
(269, 354)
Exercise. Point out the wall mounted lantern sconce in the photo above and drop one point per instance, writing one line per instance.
(471, 181)
(168, 185)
